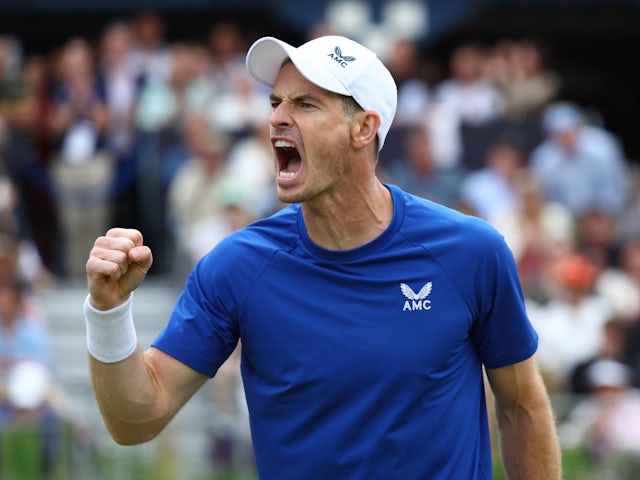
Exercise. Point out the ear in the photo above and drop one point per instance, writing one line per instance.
(364, 128)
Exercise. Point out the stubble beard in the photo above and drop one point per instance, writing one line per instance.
(331, 167)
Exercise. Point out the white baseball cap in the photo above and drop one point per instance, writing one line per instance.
(337, 64)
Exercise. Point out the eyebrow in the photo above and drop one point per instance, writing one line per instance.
(302, 98)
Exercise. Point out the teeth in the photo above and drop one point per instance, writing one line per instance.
(284, 144)
(287, 174)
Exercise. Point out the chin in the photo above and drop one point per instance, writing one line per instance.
(289, 197)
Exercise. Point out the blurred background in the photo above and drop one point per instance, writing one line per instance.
(141, 114)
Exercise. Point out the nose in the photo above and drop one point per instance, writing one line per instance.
(281, 115)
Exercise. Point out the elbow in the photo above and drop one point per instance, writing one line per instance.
(127, 439)
(128, 435)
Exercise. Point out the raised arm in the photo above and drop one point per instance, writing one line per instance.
(528, 439)
(138, 393)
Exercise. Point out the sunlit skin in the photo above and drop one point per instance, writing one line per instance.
(333, 172)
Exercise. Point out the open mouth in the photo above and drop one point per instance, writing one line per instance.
(289, 160)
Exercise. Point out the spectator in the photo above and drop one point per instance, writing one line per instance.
(414, 92)
(26, 409)
(82, 169)
(150, 55)
(226, 55)
(537, 233)
(614, 340)
(23, 132)
(571, 324)
(416, 171)
(520, 69)
(241, 106)
(204, 205)
(250, 164)
(164, 108)
(607, 423)
(596, 237)
(22, 335)
(490, 192)
(414, 96)
(238, 112)
(15, 244)
(464, 101)
(579, 165)
(119, 79)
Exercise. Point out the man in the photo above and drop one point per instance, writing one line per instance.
(580, 166)
(365, 314)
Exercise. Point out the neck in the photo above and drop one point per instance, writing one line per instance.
(344, 222)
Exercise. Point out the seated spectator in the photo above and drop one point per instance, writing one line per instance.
(490, 192)
(22, 336)
(571, 324)
(205, 204)
(537, 233)
(521, 70)
(30, 398)
(416, 172)
(250, 164)
(614, 341)
(26, 413)
(579, 165)
(620, 282)
(608, 422)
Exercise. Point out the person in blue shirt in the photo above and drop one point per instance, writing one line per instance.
(367, 315)
(580, 166)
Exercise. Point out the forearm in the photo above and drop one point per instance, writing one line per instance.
(129, 399)
(126, 388)
(528, 440)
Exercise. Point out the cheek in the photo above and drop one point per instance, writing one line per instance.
(329, 155)
(330, 138)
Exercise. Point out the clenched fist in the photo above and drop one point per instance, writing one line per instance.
(117, 265)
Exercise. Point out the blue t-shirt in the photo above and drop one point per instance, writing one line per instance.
(366, 363)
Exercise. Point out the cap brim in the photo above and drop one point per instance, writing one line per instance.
(266, 56)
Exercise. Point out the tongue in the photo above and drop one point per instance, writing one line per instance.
(294, 165)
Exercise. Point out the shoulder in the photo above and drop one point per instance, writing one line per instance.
(467, 247)
(431, 222)
(259, 240)
(229, 270)
(600, 140)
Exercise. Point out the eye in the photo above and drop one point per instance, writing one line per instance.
(275, 104)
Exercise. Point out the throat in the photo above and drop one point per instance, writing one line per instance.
(349, 227)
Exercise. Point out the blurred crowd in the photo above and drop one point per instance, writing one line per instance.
(172, 138)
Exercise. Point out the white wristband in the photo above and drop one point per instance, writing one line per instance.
(111, 335)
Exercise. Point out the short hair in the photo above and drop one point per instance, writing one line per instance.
(350, 107)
